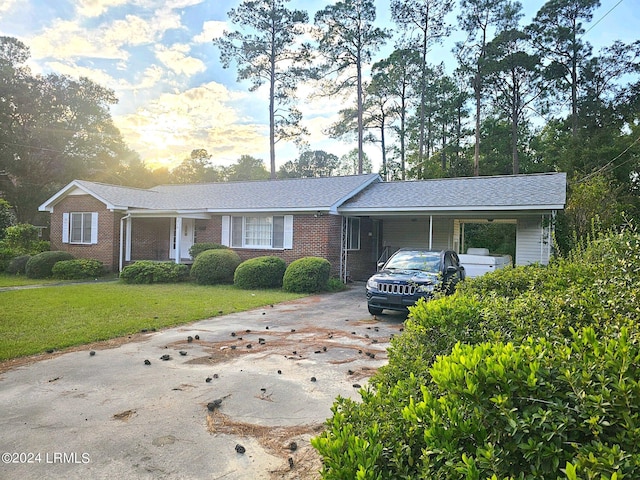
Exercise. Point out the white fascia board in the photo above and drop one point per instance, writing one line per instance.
(148, 213)
(264, 211)
(445, 210)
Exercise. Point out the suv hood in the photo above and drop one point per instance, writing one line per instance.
(409, 276)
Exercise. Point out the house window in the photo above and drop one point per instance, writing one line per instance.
(258, 232)
(80, 228)
(353, 233)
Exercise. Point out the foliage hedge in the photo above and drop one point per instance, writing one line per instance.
(197, 248)
(78, 269)
(531, 372)
(148, 271)
(307, 275)
(260, 272)
(216, 266)
(18, 265)
(41, 265)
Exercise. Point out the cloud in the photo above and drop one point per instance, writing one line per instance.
(169, 127)
(94, 8)
(175, 57)
(7, 5)
(210, 29)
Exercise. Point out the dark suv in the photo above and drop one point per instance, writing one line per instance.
(410, 274)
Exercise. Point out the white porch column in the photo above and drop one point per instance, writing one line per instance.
(127, 252)
(178, 238)
(430, 232)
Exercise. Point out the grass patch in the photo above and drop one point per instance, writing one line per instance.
(35, 320)
(7, 280)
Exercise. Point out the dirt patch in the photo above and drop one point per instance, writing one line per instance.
(294, 344)
(292, 444)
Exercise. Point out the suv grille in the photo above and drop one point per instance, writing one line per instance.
(398, 289)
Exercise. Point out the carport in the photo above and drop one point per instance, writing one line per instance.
(433, 214)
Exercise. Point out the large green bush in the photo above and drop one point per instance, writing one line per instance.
(18, 265)
(78, 269)
(197, 248)
(216, 266)
(148, 271)
(494, 380)
(307, 275)
(260, 272)
(41, 265)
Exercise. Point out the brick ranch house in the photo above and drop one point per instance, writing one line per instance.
(352, 221)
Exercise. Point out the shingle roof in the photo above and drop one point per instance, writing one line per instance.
(508, 192)
(356, 194)
(300, 194)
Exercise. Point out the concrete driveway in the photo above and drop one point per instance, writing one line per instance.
(239, 396)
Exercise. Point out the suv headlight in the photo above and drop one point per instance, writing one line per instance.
(371, 283)
(425, 288)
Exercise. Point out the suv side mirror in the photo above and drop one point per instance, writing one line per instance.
(451, 270)
(380, 265)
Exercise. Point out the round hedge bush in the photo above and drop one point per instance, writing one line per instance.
(148, 271)
(307, 275)
(260, 272)
(17, 265)
(197, 248)
(41, 265)
(78, 269)
(215, 266)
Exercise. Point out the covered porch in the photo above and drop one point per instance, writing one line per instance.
(160, 236)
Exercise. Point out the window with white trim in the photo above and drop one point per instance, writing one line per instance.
(264, 232)
(80, 228)
(353, 233)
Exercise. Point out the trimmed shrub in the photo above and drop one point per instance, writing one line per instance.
(148, 271)
(18, 265)
(41, 265)
(197, 248)
(77, 269)
(260, 272)
(307, 275)
(215, 266)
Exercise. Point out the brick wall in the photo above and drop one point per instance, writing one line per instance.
(106, 250)
(150, 238)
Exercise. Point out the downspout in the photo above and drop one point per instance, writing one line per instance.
(430, 232)
(121, 258)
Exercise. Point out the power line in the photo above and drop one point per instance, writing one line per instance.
(602, 18)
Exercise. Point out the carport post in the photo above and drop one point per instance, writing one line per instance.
(178, 238)
(430, 232)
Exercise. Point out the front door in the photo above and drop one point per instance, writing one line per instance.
(186, 237)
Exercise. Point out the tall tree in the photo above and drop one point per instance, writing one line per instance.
(53, 129)
(478, 19)
(556, 32)
(514, 76)
(347, 39)
(196, 168)
(311, 163)
(246, 168)
(268, 50)
(424, 21)
(397, 72)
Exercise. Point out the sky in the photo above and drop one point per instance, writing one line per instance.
(174, 96)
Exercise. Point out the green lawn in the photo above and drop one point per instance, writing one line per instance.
(54, 317)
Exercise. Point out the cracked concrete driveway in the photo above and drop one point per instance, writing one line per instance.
(236, 396)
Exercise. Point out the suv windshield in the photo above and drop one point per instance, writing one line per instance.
(415, 260)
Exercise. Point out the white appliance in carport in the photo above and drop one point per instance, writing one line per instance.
(478, 261)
